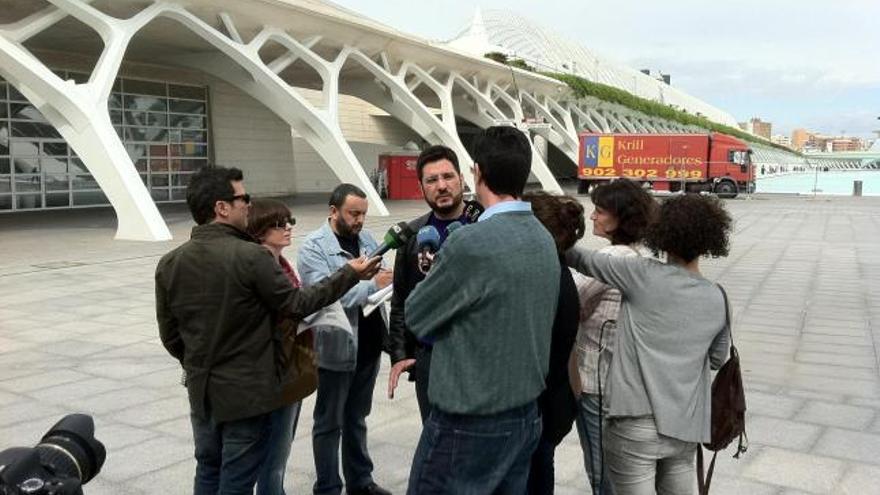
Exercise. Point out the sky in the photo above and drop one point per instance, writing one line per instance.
(796, 63)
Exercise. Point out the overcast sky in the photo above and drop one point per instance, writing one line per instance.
(795, 63)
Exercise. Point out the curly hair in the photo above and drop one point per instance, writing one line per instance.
(630, 204)
(690, 226)
(562, 216)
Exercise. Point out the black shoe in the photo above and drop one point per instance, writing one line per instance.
(371, 489)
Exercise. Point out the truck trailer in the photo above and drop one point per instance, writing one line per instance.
(714, 162)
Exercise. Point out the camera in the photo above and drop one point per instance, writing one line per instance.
(67, 457)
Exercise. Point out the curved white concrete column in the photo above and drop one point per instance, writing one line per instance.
(79, 111)
(319, 127)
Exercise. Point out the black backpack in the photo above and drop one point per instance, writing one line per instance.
(728, 410)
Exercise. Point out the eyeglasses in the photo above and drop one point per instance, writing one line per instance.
(283, 224)
(244, 197)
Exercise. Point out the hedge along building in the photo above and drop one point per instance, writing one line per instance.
(120, 101)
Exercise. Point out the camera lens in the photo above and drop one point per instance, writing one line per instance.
(69, 449)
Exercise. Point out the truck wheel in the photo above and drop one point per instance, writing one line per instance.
(583, 186)
(726, 189)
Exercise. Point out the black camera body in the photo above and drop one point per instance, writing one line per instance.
(66, 458)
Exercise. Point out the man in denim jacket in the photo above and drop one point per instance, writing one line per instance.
(348, 361)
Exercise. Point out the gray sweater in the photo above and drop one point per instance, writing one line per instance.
(670, 330)
(488, 306)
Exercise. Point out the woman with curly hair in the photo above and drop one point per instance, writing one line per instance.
(622, 211)
(670, 333)
(563, 217)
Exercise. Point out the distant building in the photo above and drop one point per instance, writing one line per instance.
(757, 127)
(781, 139)
(799, 138)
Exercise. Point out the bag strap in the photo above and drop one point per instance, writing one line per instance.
(727, 318)
(704, 479)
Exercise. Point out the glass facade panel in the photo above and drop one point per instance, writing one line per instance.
(57, 182)
(58, 200)
(163, 127)
(88, 198)
(28, 201)
(187, 106)
(26, 165)
(53, 164)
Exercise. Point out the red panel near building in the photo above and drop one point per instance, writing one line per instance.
(400, 175)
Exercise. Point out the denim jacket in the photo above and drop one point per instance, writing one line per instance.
(318, 257)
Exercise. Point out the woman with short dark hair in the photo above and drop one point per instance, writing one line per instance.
(621, 213)
(271, 224)
(670, 333)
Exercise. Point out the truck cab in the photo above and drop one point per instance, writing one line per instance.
(730, 165)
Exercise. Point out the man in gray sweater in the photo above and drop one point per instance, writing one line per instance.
(487, 306)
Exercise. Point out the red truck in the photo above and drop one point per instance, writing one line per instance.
(714, 162)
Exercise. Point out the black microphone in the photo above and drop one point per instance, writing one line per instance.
(396, 236)
(428, 240)
(472, 211)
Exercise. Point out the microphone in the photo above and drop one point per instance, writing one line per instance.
(452, 227)
(472, 211)
(428, 240)
(396, 236)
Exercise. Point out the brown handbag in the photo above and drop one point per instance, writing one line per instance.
(728, 410)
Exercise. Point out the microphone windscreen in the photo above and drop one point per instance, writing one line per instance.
(429, 237)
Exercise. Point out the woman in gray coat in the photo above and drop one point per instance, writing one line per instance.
(670, 333)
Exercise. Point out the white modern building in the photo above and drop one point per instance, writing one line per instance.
(119, 101)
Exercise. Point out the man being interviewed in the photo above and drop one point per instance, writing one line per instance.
(490, 334)
(442, 185)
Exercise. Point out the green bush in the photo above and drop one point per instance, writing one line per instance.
(583, 88)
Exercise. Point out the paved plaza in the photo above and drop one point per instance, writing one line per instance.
(78, 334)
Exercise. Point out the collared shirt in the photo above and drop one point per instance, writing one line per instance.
(505, 207)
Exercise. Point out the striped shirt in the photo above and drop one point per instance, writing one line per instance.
(600, 303)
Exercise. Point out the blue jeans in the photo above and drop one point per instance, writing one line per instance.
(475, 455)
(589, 422)
(541, 472)
(271, 479)
(343, 403)
(229, 454)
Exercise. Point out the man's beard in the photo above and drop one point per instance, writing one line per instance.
(445, 210)
(346, 230)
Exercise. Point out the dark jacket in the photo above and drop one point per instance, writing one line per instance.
(401, 342)
(557, 403)
(217, 297)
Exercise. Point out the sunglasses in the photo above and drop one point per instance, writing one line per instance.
(244, 197)
(283, 224)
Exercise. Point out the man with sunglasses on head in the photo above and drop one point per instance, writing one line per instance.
(348, 359)
(218, 296)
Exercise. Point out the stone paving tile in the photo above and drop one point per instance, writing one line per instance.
(795, 470)
(42, 380)
(845, 444)
(775, 432)
(150, 455)
(859, 479)
(843, 416)
(154, 412)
